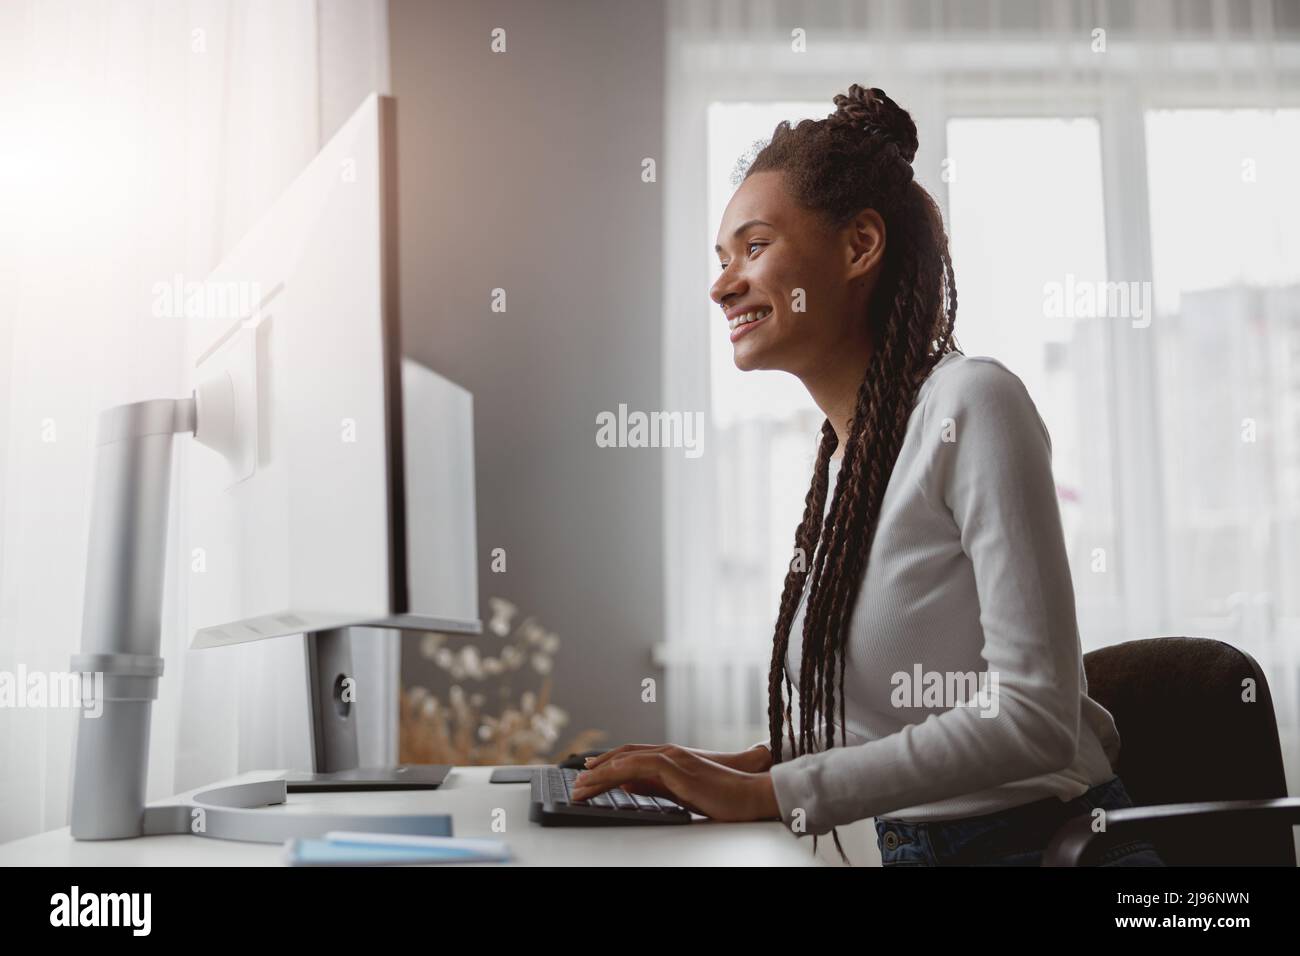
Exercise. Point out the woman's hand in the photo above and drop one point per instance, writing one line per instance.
(754, 760)
(685, 776)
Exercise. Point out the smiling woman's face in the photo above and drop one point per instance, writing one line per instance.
(769, 247)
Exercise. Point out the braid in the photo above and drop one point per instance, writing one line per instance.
(794, 584)
(858, 157)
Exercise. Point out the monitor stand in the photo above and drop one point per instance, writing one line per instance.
(331, 696)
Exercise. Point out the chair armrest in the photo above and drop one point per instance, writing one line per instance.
(1076, 837)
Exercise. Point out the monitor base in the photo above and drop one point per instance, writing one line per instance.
(403, 777)
(240, 812)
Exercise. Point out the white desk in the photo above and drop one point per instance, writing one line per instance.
(470, 800)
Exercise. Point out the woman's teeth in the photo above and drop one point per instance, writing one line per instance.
(748, 317)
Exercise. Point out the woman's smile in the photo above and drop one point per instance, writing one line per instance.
(741, 324)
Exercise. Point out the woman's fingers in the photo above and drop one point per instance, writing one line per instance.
(650, 770)
(648, 788)
(700, 785)
(639, 766)
(621, 751)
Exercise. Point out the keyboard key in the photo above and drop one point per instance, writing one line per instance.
(622, 799)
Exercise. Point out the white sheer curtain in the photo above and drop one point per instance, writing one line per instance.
(1111, 69)
(139, 141)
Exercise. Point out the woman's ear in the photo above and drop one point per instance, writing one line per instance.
(865, 243)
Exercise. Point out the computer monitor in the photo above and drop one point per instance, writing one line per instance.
(337, 485)
(342, 493)
(336, 489)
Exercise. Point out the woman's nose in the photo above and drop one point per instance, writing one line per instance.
(725, 285)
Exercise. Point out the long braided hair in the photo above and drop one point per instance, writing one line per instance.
(859, 157)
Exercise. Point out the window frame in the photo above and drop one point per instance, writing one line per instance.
(700, 74)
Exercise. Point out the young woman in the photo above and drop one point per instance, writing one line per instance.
(926, 667)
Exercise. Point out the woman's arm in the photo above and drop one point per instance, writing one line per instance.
(755, 759)
(995, 479)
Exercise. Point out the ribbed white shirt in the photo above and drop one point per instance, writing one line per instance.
(967, 576)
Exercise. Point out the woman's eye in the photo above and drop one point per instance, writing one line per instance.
(722, 266)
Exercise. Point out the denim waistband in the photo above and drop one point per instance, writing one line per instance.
(1013, 837)
(1109, 794)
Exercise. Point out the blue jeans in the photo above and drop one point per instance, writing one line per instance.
(1015, 837)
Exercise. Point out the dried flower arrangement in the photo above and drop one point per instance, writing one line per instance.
(461, 730)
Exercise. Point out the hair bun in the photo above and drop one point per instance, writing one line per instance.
(873, 112)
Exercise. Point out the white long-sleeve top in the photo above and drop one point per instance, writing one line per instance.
(967, 577)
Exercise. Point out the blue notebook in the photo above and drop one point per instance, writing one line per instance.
(382, 849)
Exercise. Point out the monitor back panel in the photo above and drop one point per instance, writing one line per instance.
(306, 541)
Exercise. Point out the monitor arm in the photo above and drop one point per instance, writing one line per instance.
(122, 617)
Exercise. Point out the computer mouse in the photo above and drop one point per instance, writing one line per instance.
(578, 761)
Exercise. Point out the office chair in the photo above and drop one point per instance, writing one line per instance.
(1204, 768)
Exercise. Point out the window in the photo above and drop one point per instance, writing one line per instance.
(1060, 169)
(765, 422)
(1026, 222)
(1029, 252)
(1226, 254)
(764, 439)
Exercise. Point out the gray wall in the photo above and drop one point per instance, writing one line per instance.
(522, 171)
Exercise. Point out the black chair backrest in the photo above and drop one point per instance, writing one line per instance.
(1196, 723)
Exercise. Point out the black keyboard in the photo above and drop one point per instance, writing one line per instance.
(551, 805)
